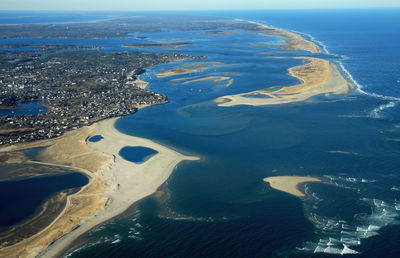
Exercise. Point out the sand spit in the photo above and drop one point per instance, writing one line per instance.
(289, 184)
(115, 184)
(293, 40)
(215, 79)
(318, 77)
(189, 68)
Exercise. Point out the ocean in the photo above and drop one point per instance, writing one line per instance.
(220, 206)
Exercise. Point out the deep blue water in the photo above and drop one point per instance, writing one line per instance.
(21, 199)
(220, 206)
(137, 154)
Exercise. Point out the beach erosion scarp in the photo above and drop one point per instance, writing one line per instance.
(115, 184)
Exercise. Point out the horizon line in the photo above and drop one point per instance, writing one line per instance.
(203, 10)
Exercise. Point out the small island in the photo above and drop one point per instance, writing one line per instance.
(289, 184)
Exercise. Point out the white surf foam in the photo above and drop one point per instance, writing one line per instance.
(347, 250)
(376, 112)
(352, 180)
(102, 240)
(138, 225)
(332, 250)
(116, 241)
(339, 236)
(350, 241)
(135, 237)
(193, 219)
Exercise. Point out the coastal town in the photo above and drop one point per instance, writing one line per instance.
(76, 87)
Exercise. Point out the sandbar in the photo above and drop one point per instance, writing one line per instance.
(215, 79)
(220, 32)
(115, 184)
(289, 184)
(188, 68)
(318, 76)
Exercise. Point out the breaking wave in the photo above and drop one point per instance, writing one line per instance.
(376, 112)
(339, 236)
(112, 240)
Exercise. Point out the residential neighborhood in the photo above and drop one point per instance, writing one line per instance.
(78, 88)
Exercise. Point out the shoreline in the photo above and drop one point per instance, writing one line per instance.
(114, 184)
(289, 184)
(317, 77)
(187, 68)
(129, 182)
(293, 41)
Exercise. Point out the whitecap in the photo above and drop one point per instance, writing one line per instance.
(350, 241)
(367, 180)
(376, 112)
(373, 228)
(116, 241)
(135, 237)
(332, 242)
(332, 250)
(347, 250)
(318, 249)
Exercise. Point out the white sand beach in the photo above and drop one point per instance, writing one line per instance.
(115, 184)
(289, 184)
(318, 77)
(126, 182)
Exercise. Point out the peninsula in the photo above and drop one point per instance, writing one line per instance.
(318, 76)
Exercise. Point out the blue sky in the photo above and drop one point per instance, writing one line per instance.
(132, 5)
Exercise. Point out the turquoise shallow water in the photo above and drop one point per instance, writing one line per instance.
(220, 206)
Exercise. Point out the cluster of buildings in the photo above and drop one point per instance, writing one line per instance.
(77, 87)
